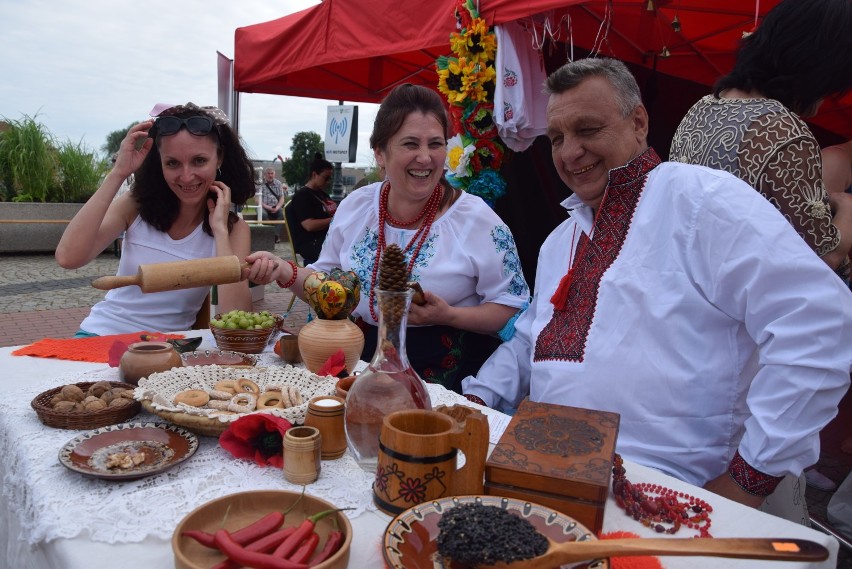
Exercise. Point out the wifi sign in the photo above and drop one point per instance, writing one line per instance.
(338, 128)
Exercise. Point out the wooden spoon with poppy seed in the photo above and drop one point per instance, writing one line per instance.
(740, 548)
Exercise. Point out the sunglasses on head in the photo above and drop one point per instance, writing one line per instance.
(198, 125)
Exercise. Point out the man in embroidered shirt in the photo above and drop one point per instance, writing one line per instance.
(691, 306)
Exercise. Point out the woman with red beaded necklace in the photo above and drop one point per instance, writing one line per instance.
(457, 248)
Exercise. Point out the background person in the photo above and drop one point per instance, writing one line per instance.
(273, 197)
(751, 127)
(311, 211)
(667, 297)
(189, 167)
(457, 248)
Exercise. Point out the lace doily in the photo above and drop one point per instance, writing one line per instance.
(161, 388)
(53, 502)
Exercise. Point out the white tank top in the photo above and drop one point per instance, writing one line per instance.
(127, 309)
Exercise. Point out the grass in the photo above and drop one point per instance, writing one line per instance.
(34, 168)
(26, 161)
(80, 172)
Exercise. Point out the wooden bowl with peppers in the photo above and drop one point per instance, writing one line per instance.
(265, 529)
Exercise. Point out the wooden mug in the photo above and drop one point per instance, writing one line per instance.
(417, 458)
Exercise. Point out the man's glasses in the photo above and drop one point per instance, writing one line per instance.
(198, 125)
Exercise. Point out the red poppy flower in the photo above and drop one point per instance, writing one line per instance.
(257, 436)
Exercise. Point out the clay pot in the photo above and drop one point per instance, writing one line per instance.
(320, 339)
(343, 385)
(144, 358)
(287, 348)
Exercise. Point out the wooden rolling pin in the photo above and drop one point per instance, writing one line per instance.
(178, 275)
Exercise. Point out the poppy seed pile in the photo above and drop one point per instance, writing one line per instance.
(473, 534)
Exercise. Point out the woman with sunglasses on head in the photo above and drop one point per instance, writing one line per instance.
(458, 250)
(189, 168)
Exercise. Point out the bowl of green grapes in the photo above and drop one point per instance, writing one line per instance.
(242, 331)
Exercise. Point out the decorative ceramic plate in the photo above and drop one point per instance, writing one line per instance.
(128, 451)
(410, 540)
(238, 510)
(218, 357)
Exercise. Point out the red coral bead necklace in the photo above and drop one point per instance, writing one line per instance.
(659, 508)
(426, 216)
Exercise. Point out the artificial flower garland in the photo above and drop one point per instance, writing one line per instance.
(468, 80)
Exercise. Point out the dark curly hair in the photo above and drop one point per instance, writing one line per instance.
(158, 205)
(799, 55)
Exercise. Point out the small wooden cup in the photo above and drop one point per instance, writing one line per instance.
(302, 455)
(325, 412)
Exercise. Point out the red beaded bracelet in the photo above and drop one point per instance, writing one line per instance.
(292, 280)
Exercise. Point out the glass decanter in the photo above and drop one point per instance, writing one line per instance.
(388, 384)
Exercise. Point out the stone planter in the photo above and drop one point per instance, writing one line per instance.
(27, 227)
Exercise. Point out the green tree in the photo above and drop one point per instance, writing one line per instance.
(297, 168)
(113, 139)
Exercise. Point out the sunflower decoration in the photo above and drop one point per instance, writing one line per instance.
(468, 80)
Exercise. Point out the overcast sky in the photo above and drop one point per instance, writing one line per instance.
(85, 68)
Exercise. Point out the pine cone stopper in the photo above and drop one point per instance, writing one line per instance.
(393, 276)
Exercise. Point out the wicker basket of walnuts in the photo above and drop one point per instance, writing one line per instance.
(86, 405)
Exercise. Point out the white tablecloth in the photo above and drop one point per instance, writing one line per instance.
(42, 525)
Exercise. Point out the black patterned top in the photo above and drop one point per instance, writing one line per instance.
(769, 147)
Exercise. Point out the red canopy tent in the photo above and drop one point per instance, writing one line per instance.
(356, 51)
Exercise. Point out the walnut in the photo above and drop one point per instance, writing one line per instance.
(56, 399)
(64, 406)
(89, 399)
(95, 405)
(79, 408)
(72, 393)
(120, 402)
(99, 388)
(107, 396)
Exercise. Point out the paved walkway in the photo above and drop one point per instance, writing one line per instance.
(40, 299)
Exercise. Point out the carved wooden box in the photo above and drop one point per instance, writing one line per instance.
(557, 456)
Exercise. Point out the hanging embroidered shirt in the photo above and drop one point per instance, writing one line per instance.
(519, 104)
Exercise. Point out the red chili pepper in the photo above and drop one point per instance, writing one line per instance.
(241, 555)
(202, 537)
(252, 532)
(306, 549)
(290, 545)
(332, 544)
(266, 544)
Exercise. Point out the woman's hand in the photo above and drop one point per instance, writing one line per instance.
(129, 157)
(219, 207)
(264, 267)
(435, 311)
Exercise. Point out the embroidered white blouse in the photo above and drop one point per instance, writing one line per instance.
(715, 329)
(469, 258)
